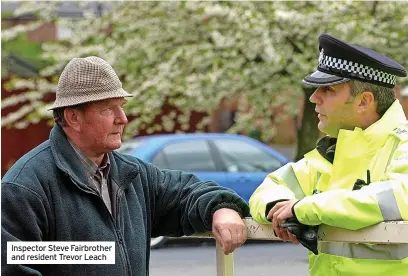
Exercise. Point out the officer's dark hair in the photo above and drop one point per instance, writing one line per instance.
(384, 96)
(59, 117)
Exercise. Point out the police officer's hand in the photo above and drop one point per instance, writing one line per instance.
(228, 229)
(278, 215)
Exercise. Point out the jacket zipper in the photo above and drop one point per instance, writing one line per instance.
(115, 224)
(119, 234)
(122, 252)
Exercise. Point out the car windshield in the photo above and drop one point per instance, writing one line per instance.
(128, 147)
(244, 157)
(248, 165)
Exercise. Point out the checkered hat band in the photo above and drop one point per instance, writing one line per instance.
(361, 71)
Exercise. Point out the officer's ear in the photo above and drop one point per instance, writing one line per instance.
(366, 102)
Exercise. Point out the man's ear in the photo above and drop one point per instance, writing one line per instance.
(366, 102)
(73, 118)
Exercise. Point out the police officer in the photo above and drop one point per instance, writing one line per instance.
(357, 175)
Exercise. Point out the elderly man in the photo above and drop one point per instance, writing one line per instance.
(358, 174)
(75, 187)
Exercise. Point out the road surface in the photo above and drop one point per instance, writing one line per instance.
(252, 259)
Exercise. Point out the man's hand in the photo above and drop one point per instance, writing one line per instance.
(279, 214)
(228, 229)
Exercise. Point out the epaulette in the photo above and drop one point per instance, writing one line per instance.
(402, 132)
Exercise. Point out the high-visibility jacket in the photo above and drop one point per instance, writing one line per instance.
(326, 196)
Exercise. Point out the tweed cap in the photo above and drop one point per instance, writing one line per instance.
(87, 80)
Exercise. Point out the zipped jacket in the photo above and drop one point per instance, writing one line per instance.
(376, 161)
(45, 196)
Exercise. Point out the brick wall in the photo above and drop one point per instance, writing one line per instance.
(45, 32)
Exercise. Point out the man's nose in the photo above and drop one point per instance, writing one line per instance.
(316, 96)
(121, 118)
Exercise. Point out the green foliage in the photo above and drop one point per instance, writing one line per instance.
(6, 14)
(193, 54)
(27, 49)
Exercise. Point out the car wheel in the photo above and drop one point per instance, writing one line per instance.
(158, 242)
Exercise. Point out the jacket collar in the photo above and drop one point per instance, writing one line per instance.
(122, 172)
(368, 140)
(378, 133)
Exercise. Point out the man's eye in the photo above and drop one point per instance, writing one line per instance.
(107, 111)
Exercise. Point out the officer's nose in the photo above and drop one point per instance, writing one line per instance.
(316, 97)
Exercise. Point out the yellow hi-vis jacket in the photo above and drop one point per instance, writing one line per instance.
(382, 148)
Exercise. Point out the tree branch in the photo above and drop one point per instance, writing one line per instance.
(374, 9)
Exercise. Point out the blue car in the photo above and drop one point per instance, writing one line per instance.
(234, 161)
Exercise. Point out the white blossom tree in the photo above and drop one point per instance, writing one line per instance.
(193, 54)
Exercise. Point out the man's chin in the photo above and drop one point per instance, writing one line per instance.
(329, 133)
(115, 146)
(322, 127)
(325, 130)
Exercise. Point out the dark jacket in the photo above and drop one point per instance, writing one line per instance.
(45, 197)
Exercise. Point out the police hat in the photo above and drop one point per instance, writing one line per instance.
(341, 62)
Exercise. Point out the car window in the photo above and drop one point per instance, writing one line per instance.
(160, 161)
(187, 156)
(128, 147)
(241, 156)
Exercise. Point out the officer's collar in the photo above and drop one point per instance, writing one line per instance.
(375, 135)
(327, 148)
(378, 133)
(389, 121)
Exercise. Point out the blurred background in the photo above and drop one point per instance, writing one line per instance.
(194, 67)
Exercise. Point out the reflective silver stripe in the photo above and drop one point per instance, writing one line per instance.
(288, 175)
(394, 147)
(317, 181)
(386, 200)
(365, 251)
(388, 205)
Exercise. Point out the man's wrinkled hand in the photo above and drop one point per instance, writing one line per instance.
(228, 229)
(278, 215)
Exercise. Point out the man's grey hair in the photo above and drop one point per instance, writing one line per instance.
(58, 113)
(384, 96)
(59, 117)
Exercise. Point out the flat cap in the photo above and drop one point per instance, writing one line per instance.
(341, 62)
